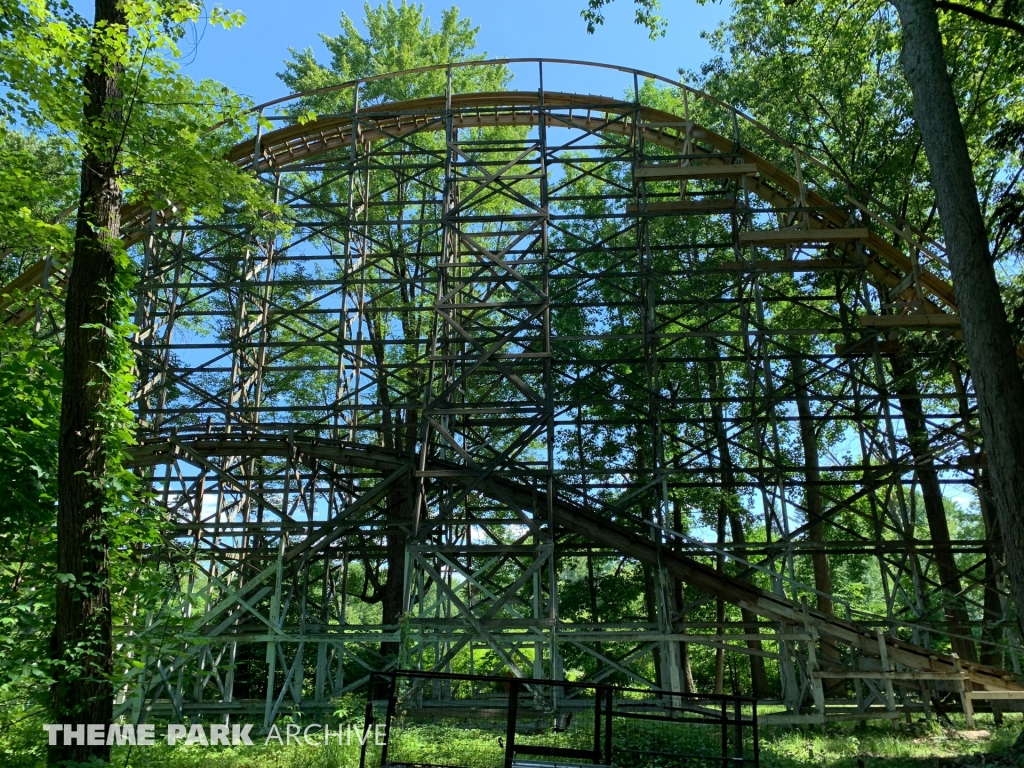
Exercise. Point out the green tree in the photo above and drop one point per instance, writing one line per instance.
(989, 344)
(398, 38)
(143, 135)
(791, 66)
(37, 188)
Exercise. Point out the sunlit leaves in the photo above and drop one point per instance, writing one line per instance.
(397, 38)
(828, 78)
(646, 16)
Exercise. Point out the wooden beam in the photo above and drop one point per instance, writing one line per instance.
(667, 172)
(786, 236)
(917, 674)
(910, 321)
(866, 348)
(803, 265)
(1002, 695)
(685, 206)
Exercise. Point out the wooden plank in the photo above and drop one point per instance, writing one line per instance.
(977, 461)
(867, 348)
(916, 675)
(803, 265)
(785, 719)
(685, 206)
(873, 714)
(656, 172)
(785, 236)
(910, 321)
(1001, 695)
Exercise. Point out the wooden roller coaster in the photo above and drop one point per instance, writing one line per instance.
(508, 338)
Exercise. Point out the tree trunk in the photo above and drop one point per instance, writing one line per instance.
(990, 348)
(651, 603)
(909, 394)
(758, 676)
(83, 650)
(815, 520)
(812, 489)
(992, 612)
(394, 583)
(679, 593)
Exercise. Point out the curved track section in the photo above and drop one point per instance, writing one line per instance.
(887, 264)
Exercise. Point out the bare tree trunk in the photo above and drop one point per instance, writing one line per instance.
(909, 394)
(651, 603)
(397, 432)
(815, 519)
(679, 593)
(394, 582)
(992, 633)
(758, 676)
(990, 348)
(719, 686)
(684, 660)
(82, 644)
(992, 611)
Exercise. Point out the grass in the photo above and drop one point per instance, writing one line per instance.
(881, 745)
(874, 745)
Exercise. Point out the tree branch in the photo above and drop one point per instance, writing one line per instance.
(974, 13)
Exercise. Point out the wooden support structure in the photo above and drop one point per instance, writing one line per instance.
(703, 205)
(782, 237)
(789, 265)
(910, 321)
(522, 393)
(716, 171)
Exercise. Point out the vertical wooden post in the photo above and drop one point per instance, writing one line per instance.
(817, 689)
(883, 652)
(965, 689)
(725, 733)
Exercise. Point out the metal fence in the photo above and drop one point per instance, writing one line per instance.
(434, 720)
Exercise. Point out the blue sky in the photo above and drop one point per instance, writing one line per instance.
(248, 59)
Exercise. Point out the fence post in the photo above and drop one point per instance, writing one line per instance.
(608, 726)
(392, 703)
(367, 724)
(510, 726)
(738, 740)
(754, 743)
(725, 733)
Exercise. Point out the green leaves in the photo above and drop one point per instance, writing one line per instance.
(38, 183)
(398, 38)
(166, 138)
(170, 134)
(30, 393)
(646, 16)
(828, 78)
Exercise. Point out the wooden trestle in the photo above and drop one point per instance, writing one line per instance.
(475, 295)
